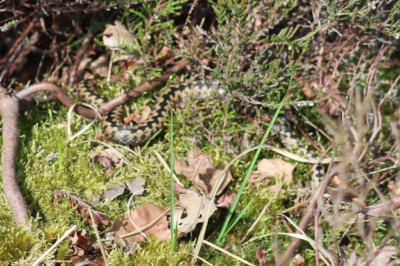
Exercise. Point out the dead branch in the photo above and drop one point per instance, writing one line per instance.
(57, 92)
(9, 109)
(111, 104)
(308, 215)
(383, 208)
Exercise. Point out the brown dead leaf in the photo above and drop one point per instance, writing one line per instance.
(114, 192)
(81, 207)
(193, 208)
(394, 187)
(148, 217)
(117, 37)
(225, 201)
(178, 189)
(138, 117)
(165, 57)
(298, 259)
(260, 255)
(114, 36)
(108, 158)
(269, 168)
(382, 259)
(202, 172)
(83, 246)
(384, 256)
(100, 66)
(136, 186)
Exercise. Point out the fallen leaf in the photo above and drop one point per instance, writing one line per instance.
(178, 189)
(136, 186)
(108, 158)
(83, 246)
(165, 57)
(100, 66)
(269, 168)
(114, 192)
(194, 208)
(383, 258)
(202, 172)
(148, 217)
(260, 255)
(225, 201)
(394, 187)
(298, 259)
(81, 207)
(275, 188)
(138, 117)
(117, 35)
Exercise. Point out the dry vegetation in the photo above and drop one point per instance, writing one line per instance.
(336, 62)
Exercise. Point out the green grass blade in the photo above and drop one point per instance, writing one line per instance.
(171, 162)
(223, 231)
(60, 151)
(238, 217)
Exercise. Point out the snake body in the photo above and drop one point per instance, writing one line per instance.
(117, 131)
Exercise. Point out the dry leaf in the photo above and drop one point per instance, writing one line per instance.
(114, 192)
(394, 187)
(148, 217)
(260, 255)
(383, 258)
(138, 117)
(202, 172)
(100, 66)
(195, 208)
(165, 57)
(81, 207)
(108, 158)
(136, 186)
(225, 200)
(298, 259)
(269, 168)
(178, 189)
(117, 35)
(275, 188)
(83, 247)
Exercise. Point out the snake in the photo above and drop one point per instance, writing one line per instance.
(114, 128)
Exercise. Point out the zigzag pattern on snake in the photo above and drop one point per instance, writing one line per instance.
(117, 131)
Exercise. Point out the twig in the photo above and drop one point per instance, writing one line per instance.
(78, 58)
(308, 215)
(9, 109)
(59, 93)
(379, 249)
(54, 245)
(228, 253)
(111, 104)
(383, 208)
(103, 252)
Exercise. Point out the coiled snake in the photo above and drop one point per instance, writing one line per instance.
(117, 131)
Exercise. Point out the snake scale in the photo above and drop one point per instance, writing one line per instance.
(117, 131)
